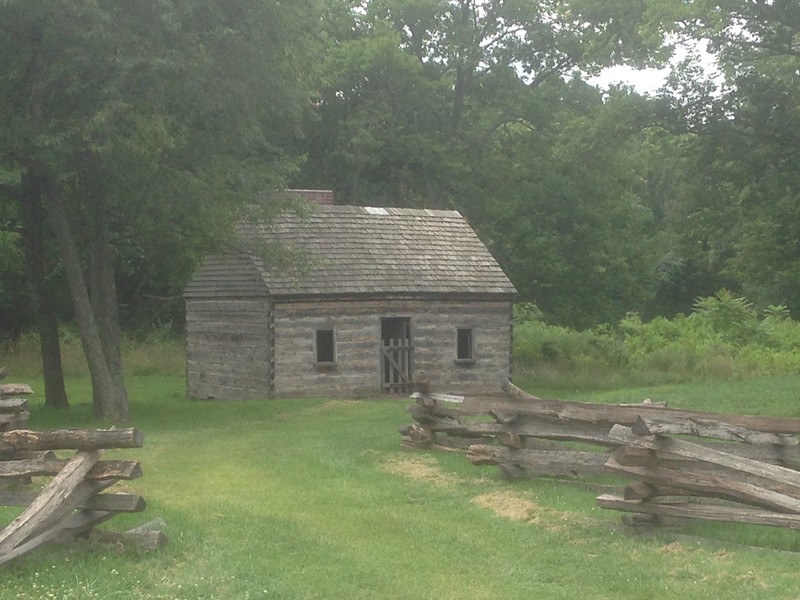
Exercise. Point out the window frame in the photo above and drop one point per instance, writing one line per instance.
(472, 358)
(317, 347)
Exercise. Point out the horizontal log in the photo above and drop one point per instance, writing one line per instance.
(451, 421)
(27, 454)
(15, 389)
(103, 469)
(70, 439)
(118, 502)
(562, 463)
(10, 421)
(550, 429)
(432, 399)
(705, 484)
(786, 456)
(627, 415)
(708, 512)
(684, 449)
(13, 405)
(640, 490)
(679, 425)
(70, 527)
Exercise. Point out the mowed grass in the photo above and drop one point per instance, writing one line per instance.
(314, 498)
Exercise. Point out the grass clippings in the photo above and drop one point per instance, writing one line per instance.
(420, 468)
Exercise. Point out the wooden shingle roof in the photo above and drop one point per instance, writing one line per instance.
(360, 250)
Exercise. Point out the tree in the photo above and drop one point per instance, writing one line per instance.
(130, 115)
(742, 189)
(471, 105)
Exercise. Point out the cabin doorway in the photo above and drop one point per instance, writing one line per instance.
(397, 355)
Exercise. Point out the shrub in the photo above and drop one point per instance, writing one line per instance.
(722, 338)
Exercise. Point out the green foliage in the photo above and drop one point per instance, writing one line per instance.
(722, 338)
(597, 203)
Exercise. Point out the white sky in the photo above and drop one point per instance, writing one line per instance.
(646, 81)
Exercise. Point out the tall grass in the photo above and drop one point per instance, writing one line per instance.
(723, 338)
(157, 353)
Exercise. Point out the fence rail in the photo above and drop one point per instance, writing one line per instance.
(740, 468)
(76, 498)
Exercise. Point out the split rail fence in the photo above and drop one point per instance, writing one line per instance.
(737, 468)
(75, 499)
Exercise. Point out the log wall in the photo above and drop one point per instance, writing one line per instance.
(228, 348)
(357, 331)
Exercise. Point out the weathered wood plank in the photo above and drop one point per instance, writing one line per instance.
(13, 420)
(788, 477)
(433, 399)
(562, 463)
(639, 490)
(115, 502)
(13, 405)
(72, 526)
(15, 389)
(786, 456)
(627, 415)
(565, 431)
(706, 484)
(58, 498)
(681, 425)
(688, 510)
(70, 439)
(102, 469)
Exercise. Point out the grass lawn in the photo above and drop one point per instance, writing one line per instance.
(315, 499)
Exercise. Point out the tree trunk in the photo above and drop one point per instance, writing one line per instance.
(32, 210)
(109, 396)
(464, 68)
(103, 292)
(33, 222)
(107, 401)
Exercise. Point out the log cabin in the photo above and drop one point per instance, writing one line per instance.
(391, 300)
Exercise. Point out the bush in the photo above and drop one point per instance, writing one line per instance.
(722, 338)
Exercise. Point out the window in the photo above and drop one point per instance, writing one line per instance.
(326, 346)
(465, 345)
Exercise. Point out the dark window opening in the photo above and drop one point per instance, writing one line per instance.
(465, 347)
(326, 348)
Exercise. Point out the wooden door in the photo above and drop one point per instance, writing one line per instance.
(397, 355)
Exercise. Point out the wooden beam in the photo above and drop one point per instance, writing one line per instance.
(684, 449)
(56, 500)
(705, 484)
(14, 389)
(72, 526)
(13, 405)
(680, 425)
(535, 463)
(70, 439)
(709, 512)
(102, 469)
(627, 415)
(115, 502)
